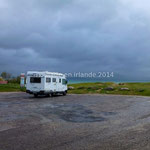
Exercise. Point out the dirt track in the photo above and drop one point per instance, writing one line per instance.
(74, 122)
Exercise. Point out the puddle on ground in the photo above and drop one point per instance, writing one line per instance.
(75, 113)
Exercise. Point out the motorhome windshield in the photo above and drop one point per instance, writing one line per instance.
(35, 80)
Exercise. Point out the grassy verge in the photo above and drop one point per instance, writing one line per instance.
(142, 89)
(11, 88)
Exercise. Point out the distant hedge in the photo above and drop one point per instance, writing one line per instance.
(1, 79)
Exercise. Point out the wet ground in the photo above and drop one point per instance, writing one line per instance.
(74, 122)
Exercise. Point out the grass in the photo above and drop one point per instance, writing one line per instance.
(11, 88)
(142, 89)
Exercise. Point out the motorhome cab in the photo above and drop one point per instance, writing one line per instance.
(45, 83)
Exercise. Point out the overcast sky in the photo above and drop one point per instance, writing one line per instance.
(76, 35)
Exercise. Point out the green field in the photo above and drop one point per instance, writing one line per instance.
(11, 88)
(142, 89)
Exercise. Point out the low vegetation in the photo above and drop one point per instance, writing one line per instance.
(10, 87)
(142, 89)
(1, 79)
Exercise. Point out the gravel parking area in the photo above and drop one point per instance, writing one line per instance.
(74, 122)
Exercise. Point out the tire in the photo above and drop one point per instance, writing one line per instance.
(47, 95)
(64, 93)
(52, 94)
(35, 95)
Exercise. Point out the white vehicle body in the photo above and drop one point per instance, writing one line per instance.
(39, 83)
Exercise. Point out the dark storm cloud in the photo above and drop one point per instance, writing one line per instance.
(75, 35)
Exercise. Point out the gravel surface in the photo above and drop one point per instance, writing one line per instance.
(74, 122)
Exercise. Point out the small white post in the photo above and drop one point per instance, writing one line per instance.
(22, 79)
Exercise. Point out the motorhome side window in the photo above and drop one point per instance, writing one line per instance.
(35, 80)
(54, 79)
(64, 81)
(59, 80)
(48, 80)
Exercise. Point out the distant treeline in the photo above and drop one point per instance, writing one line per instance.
(8, 77)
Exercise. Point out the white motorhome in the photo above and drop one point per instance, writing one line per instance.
(45, 83)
